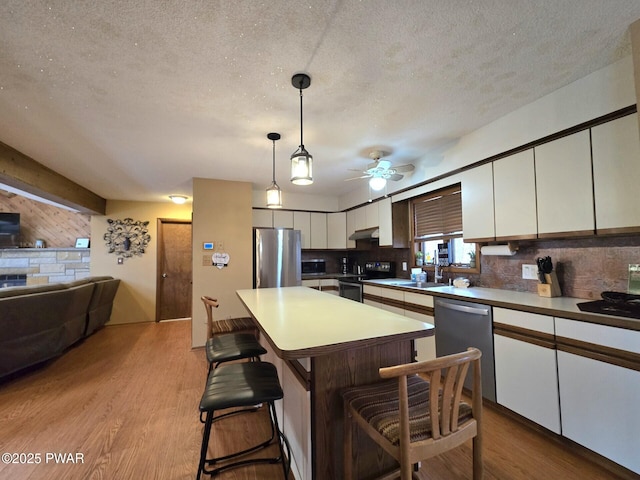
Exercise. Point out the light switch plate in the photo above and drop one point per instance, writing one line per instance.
(529, 272)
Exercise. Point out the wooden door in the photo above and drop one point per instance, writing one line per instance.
(173, 292)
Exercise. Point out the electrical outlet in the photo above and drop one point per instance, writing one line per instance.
(404, 266)
(530, 272)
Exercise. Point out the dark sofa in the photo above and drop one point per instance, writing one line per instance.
(38, 323)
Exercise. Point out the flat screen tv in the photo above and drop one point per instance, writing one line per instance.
(9, 230)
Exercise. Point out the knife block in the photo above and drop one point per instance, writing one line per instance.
(551, 288)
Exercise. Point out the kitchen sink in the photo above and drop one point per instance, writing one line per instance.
(411, 284)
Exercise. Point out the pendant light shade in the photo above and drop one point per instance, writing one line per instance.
(301, 160)
(274, 194)
(302, 167)
(377, 183)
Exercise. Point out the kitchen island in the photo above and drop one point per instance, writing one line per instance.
(345, 342)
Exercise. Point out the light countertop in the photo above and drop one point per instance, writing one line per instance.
(303, 322)
(556, 306)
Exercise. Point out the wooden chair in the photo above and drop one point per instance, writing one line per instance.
(414, 419)
(228, 340)
(232, 325)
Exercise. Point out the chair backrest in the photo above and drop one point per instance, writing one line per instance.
(446, 376)
(209, 305)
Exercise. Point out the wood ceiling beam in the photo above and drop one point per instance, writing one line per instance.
(19, 171)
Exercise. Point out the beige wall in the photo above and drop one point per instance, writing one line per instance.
(221, 212)
(136, 298)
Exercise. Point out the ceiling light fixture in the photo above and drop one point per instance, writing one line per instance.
(377, 183)
(178, 199)
(274, 194)
(301, 160)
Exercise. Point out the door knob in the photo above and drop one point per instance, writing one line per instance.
(164, 275)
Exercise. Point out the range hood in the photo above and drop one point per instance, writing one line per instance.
(366, 234)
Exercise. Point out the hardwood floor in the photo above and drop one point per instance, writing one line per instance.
(126, 400)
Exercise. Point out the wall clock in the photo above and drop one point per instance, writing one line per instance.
(127, 237)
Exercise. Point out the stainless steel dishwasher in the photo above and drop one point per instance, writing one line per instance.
(460, 325)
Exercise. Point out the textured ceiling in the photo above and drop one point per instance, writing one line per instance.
(132, 99)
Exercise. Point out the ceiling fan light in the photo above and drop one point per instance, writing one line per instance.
(301, 167)
(274, 196)
(377, 183)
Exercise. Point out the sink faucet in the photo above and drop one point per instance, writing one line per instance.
(437, 274)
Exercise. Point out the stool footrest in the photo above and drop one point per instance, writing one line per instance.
(238, 385)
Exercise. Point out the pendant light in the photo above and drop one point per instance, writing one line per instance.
(274, 194)
(301, 160)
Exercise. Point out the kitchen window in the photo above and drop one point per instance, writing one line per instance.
(437, 221)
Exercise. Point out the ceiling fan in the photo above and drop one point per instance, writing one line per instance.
(381, 170)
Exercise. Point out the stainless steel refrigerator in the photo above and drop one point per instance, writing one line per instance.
(276, 258)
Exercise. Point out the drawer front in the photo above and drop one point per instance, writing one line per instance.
(530, 321)
(612, 337)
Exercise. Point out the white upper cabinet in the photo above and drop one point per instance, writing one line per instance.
(371, 215)
(262, 218)
(385, 222)
(302, 222)
(616, 172)
(514, 185)
(283, 219)
(564, 186)
(361, 218)
(477, 204)
(337, 230)
(318, 230)
(351, 227)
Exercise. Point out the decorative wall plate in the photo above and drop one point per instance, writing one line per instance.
(127, 237)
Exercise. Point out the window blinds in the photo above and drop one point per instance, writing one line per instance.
(439, 215)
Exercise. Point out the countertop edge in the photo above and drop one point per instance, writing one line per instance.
(477, 297)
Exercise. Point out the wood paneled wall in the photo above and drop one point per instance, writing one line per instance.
(58, 227)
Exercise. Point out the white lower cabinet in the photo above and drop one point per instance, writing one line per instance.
(397, 296)
(272, 357)
(599, 399)
(368, 291)
(329, 285)
(311, 284)
(412, 306)
(525, 366)
(297, 423)
(425, 346)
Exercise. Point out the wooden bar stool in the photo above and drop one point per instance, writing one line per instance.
(241, 385)
(413, 419)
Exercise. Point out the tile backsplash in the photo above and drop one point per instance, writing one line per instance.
(585, 266)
